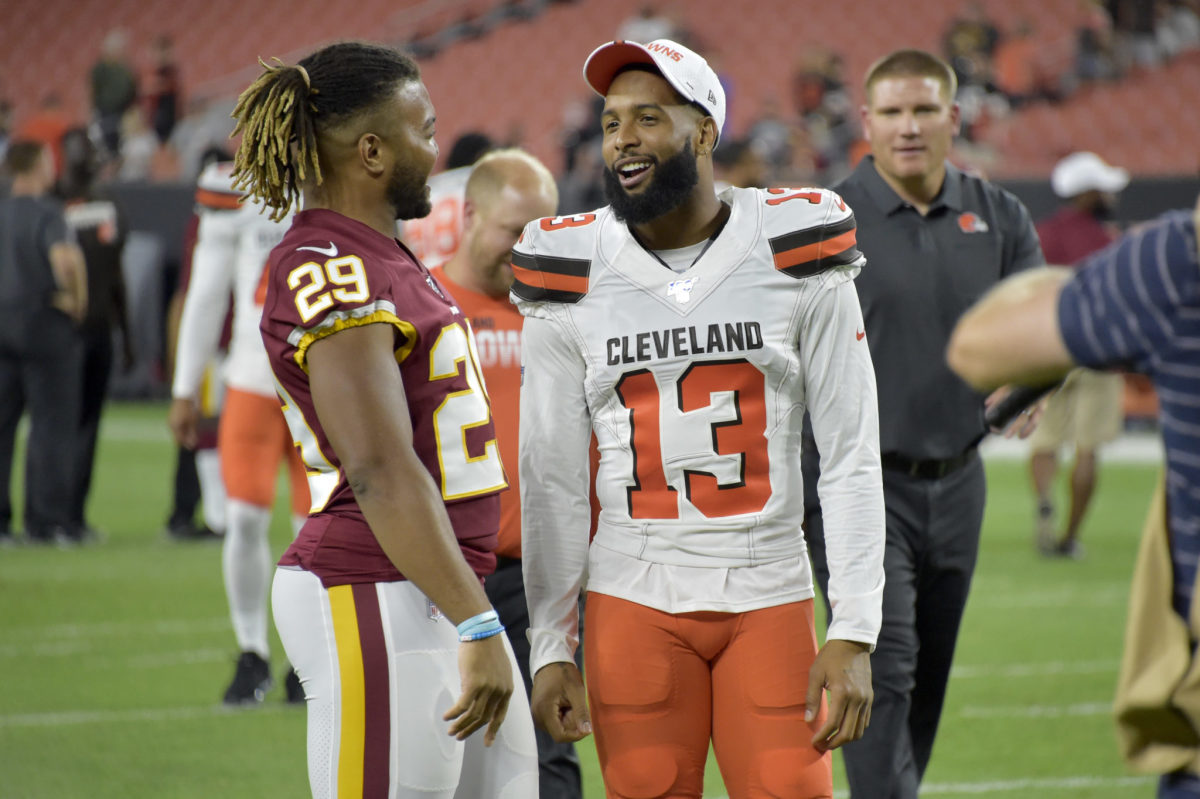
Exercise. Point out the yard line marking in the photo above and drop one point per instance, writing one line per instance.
(1059, 783)
(1009, 786)
(161, 659)
(1037, 711)
(70, 717)
(1034, 669)
(1090, 597)
(105, 629)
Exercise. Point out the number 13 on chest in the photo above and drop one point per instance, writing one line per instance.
(734, 444)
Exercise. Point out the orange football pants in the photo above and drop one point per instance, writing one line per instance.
(252, 440)
(661, 685)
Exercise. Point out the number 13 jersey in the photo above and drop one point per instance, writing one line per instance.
(696, 384)
(330, 273)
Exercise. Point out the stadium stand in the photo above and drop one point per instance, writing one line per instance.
(511, 66)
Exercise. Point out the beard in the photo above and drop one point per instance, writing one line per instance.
(672, 182)
(408, 193)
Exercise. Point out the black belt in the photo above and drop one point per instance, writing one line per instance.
(928, 469)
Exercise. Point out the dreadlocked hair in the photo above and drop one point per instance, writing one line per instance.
(283, 113)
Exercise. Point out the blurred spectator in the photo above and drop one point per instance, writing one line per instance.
(1096, 56)
(1177, 27)
(205, 126)
(100, 231)
(1135, 20)
(162, 101)
(1086, 411)
(647, 25)
(114, 89)
(969, 44)
(771, 135)
(1016, 66)
(736, 163)
(143, 156)
(823, 103)
(47, 126)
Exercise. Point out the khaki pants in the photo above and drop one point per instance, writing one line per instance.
(1157, 705)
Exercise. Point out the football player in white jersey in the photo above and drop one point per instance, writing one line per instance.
(690, 332)
(232, 245)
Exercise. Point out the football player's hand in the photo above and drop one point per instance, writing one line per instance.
(487, 685)
(844, 669)
(183, 418)
(559, 702)
(1022, 424)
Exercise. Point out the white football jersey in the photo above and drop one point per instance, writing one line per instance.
(696, 384)
(434, 238)
(232, 245)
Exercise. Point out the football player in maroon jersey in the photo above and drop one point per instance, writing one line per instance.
(377, 372)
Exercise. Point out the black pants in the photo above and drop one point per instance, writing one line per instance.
(97, 365)
(558, 764)
(40, 371)
(932, 542)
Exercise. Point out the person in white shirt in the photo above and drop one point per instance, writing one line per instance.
(232, 245)
(689, 331)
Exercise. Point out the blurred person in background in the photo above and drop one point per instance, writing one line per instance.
(736, 163)
(114, 89)
(197, 482)
(99, 228)
(434, 238)
(1134, 305)
(233, 241)
(43, 296)
(1086, 412)
(163, 97)
(507, 188)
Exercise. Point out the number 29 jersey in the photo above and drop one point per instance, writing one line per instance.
(330, 273)
(696, 384)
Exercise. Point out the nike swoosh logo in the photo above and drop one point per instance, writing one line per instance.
(331, 251)
(860, 335)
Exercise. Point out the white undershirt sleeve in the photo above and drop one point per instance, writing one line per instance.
(214, 261)
(843, 405)
(554, 474)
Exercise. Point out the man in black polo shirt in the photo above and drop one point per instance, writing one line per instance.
(935, 239)
(43, 295)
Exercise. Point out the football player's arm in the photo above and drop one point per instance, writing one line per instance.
(67, 266)
(359, 397)
(204, 307)
(1012, 334)
(840, 390)
(70, 275)
(556, 519)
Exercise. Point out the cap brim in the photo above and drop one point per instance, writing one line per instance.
(608, 59)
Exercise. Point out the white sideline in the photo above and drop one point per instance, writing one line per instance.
(1036, 711)
(1008, 786)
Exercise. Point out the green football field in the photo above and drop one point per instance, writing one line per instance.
(113, 657)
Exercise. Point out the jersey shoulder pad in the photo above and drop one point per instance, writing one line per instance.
(810, 230)
(552, 260)
(214, 188)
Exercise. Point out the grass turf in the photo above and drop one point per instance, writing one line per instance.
(114, 656)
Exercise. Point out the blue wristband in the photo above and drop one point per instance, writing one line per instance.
(486, 621)
(479, 636)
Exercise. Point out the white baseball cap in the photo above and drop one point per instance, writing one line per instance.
(1085, 171)
(685, 70)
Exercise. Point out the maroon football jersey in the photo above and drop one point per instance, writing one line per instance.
(330, 273)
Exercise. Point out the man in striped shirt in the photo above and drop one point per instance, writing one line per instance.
(1134, 306)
